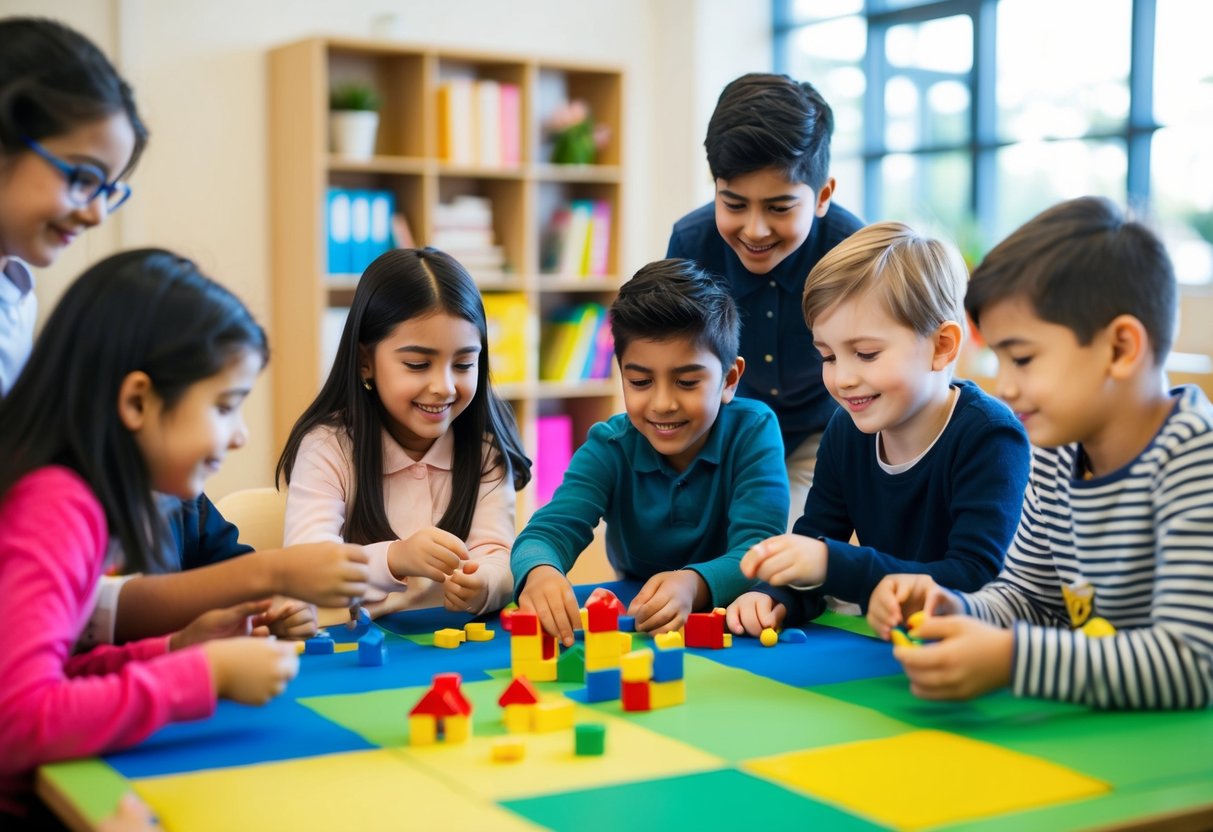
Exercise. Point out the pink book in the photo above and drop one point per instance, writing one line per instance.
(555, 449)
(604, 350)
(510, 117)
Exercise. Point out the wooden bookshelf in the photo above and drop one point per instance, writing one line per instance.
(524, 193)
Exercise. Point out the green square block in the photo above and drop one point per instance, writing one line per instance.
(590, 739)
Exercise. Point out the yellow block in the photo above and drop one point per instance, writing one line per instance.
(603, 646)
(536, 670)
(667, 641)
(476, 631)
(926, 779)
(585, 620)
(637, 666)
(915, 620)
(517, 718)
(553, 715)
(317, 793)
(665, 694)
(508, 750)
(457, 729)
(448, 638)
(900, 639)
(625, 642)
(525, 648)
(728, 639)
(422, 730)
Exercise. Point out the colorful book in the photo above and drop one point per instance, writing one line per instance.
(506, 314)
(338, 222)
(553, 451)
(598, 250)
(488, 123)
(511, 125)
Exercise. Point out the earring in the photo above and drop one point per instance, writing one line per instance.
(366, 382)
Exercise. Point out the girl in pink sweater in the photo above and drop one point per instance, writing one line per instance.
(407, 449)
(136, 385)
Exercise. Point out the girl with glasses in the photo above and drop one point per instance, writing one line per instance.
(69, 136)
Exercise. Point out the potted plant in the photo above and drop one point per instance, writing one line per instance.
(576, 139)
(353, 120)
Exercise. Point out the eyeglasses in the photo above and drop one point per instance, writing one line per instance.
(84, 182)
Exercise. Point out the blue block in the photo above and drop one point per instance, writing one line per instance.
(361, 623)
(627, 623)
(372, 651)
(667, 664)
(318, 645)
(603, 685)
(793, 636)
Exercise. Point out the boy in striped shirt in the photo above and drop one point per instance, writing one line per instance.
(1106, 594)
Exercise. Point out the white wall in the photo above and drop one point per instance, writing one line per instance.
(199, 72)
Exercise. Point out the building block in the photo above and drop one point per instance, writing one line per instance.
(423, 730)
(372, 649)
(768, 637)
(637, 666)
(536, 670)
(636, 696)
(553, 714)
(669, 640)
(900, 639)
(705, 629)
(448, 638)
(625, 642)
(476, 631)
(793, 635)
(589, 739)
(726, 640)
(665, 694)
(360, 621)
(319, 644)
(602, 685)
(443, 713)
(525, 648)
(520, 691)
(507, 617)
(508, 750)
(524, 624)
(667, 664)
(570, 667)
(915, 620)
(518, 718)
(603, 613)
(627, 623)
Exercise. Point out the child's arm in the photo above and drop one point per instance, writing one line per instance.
(489, 586)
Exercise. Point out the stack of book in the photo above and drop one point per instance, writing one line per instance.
(479, 123)
(579, 239)
(576, 345)
(506, 315)
(359, 228)
(463, 228)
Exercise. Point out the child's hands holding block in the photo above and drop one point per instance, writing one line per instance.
(466, 590)
(549, 595)
(667, 598)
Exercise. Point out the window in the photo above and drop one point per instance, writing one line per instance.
(967, 117)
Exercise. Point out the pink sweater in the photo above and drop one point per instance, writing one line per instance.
(416, 494)
(53, 705)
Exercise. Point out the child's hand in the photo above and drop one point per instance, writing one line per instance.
(251, 670)
(466, 590)
(754, 612)
(326, 574)
(786, 559)
(666, 599)
(223, 623)
(290, 619)
(897, 597)
(430, 553)
(549, 595)
(968, 659)
(132, 815)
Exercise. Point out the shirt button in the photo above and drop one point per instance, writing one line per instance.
(774, 391)
(768, 358)
(772, 284)
(419, 472)
(770, 313)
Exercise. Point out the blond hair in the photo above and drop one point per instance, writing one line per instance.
(920, 279)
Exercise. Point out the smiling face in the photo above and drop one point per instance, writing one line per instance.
(184, 445)
(426, 373)
(37, 219)
(764, 218)
(887, 377)
(672, 391)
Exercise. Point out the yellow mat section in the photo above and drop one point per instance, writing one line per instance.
(361, 790)
(926, 778)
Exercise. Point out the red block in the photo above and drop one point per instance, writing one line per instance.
(705, 629)
(524, 623)
(604, 614)
(636, 696)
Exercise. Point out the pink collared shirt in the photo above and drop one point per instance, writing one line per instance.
(416, 494)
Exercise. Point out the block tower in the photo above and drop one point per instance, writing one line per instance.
(604, 647)
(533, 652)
(443, 715)
(653, 678)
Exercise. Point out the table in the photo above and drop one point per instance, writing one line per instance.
(823, 734)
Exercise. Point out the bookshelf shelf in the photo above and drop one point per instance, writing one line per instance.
(461, 133)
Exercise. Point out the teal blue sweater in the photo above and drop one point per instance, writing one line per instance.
(732, 495)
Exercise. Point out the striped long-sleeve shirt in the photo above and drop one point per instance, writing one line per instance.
(1142, 537)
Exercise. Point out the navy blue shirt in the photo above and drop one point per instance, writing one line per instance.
(951, 516)
(772, 317)
(200, 532)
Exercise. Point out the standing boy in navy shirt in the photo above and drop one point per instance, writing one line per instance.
(687, 479)
(768, 148)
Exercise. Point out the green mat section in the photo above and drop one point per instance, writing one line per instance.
(95, 787)
(851, 623)
(722, 799)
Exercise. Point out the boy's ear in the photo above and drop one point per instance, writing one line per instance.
(948, 340)
(823, 198)
(134, 400)
(729, 390)
(1130, 345)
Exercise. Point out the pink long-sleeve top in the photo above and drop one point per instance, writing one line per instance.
(416, 494)
(54, 705)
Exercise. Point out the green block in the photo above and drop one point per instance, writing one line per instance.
(590, 739)
(570, 667)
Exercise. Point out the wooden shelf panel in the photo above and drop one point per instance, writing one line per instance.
(576, 173)
(380, 164)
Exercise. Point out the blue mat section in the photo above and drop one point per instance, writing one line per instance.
(828, 655)
(237, 735)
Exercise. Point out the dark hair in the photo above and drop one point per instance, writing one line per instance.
(1080, 264)
(676, 299)
(770, 121)
(52, 80)
(147, 310)
(400, 285)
